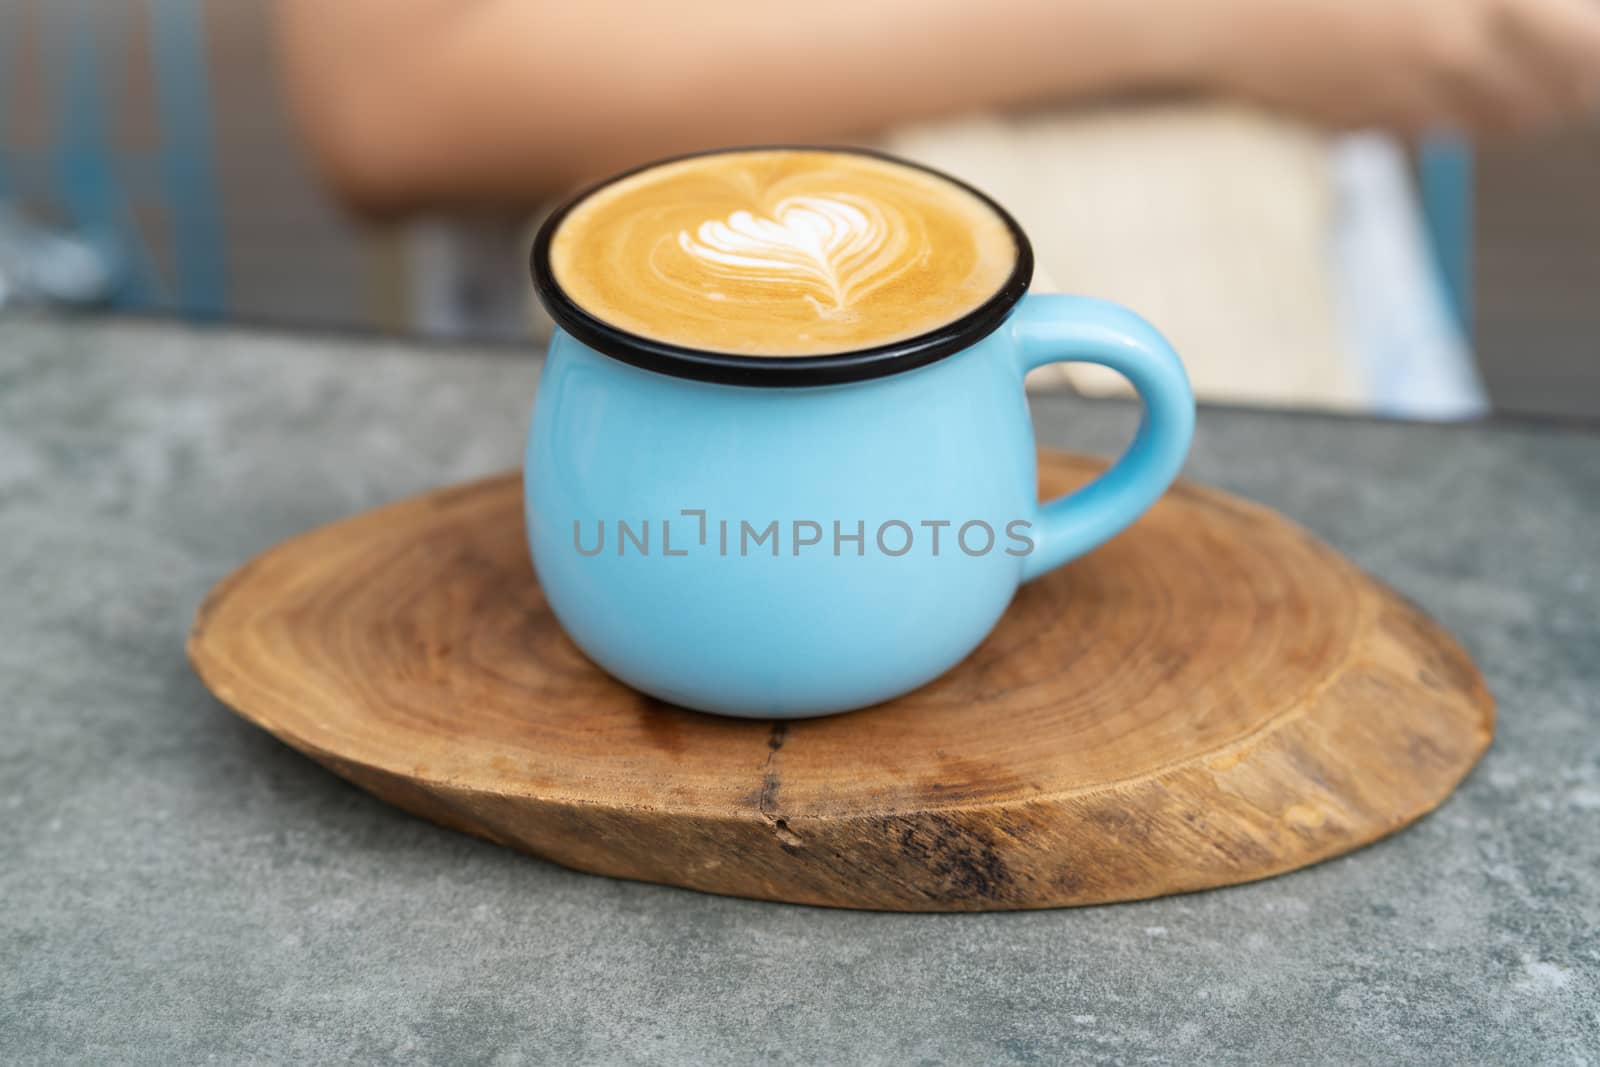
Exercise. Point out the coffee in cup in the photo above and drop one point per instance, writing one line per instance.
(782, 252)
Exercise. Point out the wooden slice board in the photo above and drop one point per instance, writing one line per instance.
(1213, 697)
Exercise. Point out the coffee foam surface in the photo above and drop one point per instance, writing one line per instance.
(781, 252)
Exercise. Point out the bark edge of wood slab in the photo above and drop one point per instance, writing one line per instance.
(1211, 698)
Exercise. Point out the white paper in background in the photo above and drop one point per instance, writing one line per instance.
(1210, 219)
(1415, 363)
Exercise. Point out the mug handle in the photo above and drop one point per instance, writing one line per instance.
(1052, 328)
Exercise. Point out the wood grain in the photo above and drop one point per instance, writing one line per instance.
(1211, 698)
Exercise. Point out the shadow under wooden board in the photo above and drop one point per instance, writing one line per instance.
(1211, 698)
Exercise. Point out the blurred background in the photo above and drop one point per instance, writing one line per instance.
(172, 158)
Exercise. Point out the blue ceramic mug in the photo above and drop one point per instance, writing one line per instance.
(783, 538)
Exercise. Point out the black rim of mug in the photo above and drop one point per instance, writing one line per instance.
(728, 368)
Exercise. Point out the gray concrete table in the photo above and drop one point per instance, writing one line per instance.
(176, 886)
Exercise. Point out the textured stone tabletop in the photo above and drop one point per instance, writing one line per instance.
(176, 886)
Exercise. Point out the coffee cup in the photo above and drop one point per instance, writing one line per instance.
(781, 462)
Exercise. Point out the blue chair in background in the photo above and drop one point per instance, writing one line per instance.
(1444, 172)
(97, 183)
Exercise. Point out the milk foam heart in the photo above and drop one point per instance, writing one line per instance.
(781, 252)
(836, 248)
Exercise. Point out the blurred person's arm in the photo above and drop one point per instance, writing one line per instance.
(418, 103)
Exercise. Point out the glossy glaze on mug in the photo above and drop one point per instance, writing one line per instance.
(790, 636)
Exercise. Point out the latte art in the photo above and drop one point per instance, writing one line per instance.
(781, 252)
(836, 248)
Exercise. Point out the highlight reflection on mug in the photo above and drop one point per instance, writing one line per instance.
(741, 537)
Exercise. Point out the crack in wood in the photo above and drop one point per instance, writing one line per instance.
(768, 802)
